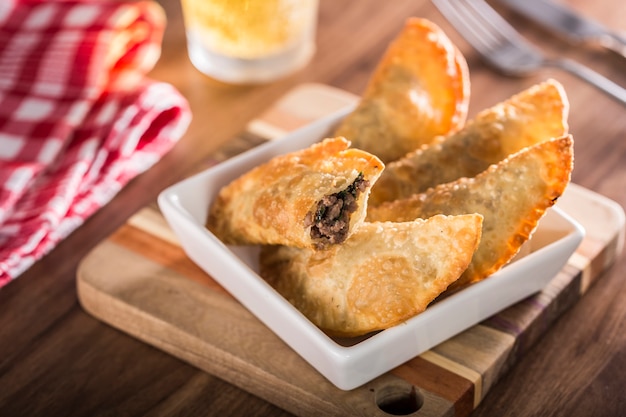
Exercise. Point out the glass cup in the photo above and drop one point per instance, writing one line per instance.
(250, 41)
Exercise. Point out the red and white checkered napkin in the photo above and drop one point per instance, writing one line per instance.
(78, 116)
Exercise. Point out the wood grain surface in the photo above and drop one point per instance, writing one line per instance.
(56, 359)
(152, 293)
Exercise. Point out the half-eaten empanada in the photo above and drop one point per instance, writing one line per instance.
(419, 90)
(512, 196)
(311, 198)
(383, 275)
(532, 116)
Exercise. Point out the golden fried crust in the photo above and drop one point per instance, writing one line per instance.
(269, 204)
(383, 275)
(419, 90)
(512, 196)
(532, 116)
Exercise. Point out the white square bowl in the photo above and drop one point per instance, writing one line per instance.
(351, 363)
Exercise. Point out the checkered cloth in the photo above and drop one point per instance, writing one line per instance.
(78, 116)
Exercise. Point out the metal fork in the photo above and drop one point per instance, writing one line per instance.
(505, 49)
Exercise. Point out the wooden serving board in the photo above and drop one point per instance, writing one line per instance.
(140, 281)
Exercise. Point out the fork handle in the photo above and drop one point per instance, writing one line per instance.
(602, 83)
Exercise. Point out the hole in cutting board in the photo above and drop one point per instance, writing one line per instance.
(399, 400)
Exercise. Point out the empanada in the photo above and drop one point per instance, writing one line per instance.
(532, 116)
(419, 90)
(311, 198)
(384, 274)
(512, 196)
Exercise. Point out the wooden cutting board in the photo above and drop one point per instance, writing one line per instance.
(154, 292)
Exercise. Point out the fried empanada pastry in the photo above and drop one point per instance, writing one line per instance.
(383, 275)
(419, 90)
(311, 198)
(532, 116)
(511, 195)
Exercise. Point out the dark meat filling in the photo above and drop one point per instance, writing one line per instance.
(331, 220)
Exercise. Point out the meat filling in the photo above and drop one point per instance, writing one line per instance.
(331, 220)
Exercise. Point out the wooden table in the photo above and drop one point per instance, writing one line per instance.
(57, 359)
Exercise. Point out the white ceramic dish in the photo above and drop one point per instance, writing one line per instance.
(349, 364)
